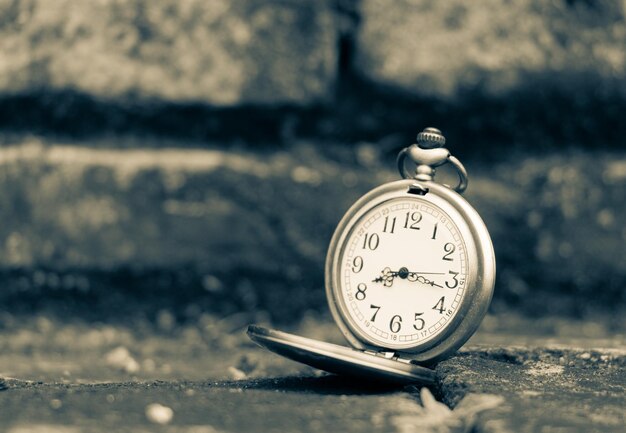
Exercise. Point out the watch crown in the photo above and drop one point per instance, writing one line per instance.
(431, 138)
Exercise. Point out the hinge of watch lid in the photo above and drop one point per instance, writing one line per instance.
(388, 355)
(417, 189)
(383, 354)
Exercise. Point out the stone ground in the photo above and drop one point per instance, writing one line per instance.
(516, 374)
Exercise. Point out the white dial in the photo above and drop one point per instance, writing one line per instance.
(403, 273)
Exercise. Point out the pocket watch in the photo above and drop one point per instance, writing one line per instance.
(409, 275)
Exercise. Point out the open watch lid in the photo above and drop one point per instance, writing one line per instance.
(333, 358)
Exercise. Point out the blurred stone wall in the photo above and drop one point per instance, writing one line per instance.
(509, 72)
(220, 52)
(196, 155)
(229, 53)
(445, 49)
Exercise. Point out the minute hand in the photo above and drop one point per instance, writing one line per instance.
(414, 276)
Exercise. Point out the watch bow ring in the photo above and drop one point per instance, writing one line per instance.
(427, 154)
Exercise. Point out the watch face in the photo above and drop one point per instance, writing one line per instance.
(403, 269)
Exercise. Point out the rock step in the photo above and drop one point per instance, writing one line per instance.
(232, 53)
(493, 47)
(517, 73)
(249, 227)
(220, 53)
(538, 389)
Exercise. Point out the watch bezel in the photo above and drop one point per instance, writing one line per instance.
(480, 276)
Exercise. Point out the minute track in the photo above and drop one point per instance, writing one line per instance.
(404, 274)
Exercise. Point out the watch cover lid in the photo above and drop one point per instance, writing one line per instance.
(333, 358)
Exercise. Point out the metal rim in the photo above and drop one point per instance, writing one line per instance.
(339, 359)
(481, 273)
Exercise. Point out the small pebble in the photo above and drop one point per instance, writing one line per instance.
(236, 374)
(159, 414)
(121, 358)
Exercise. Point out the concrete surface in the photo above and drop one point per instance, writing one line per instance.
(290, 404)
(71, 376)
(135, 230)
(542, 389)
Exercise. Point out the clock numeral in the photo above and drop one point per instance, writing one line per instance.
(439, 306)
(419, 322)
(455, 282)
(360, 292)
(393, 224)
(357, 264)
(396, 324)
(449, 249)
(434, 232)
(371, 241)
(377, 308)
(414, 218)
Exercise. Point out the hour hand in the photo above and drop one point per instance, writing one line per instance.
(386, 277)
